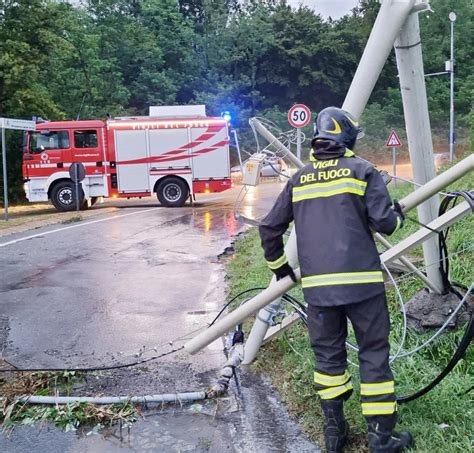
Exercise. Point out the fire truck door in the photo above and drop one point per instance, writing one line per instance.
(132, 161)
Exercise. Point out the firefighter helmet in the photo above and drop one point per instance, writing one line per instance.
(336, 124)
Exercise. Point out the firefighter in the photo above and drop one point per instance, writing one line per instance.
(336, 202)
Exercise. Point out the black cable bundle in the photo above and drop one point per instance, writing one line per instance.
(448, 202)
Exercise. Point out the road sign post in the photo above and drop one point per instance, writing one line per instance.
(77, 173)
(5, 184)
(299, 116)
(394, 163)
(394, 142)
(10, 123)
(298, 143)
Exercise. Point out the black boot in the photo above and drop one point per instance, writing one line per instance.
(336, 428)
(382, 437)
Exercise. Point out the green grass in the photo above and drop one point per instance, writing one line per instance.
(441, 421)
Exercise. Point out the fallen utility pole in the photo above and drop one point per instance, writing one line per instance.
(389, 21)
(396, 19)
(270, 138)
(422, 235)
(264, 319)
(265, 316)
(253, 305)
(278, 288)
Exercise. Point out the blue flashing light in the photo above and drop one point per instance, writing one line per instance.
(227, 116)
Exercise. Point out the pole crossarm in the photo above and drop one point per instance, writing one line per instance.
(278, 288)
(420, 236)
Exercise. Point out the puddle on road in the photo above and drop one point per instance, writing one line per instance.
(251, 419)
(210, 220)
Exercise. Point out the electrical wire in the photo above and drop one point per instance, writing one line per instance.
(442, 328)
(87, 369)
(458, 355)
(125, 365)
(450, 199)
(277, 171)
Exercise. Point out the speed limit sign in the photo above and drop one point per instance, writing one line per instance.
(299, 115)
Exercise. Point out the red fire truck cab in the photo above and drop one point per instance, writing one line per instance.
(127, 157)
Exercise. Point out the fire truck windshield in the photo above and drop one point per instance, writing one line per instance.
(46, 140)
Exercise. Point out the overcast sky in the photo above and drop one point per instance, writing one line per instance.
(333, 8)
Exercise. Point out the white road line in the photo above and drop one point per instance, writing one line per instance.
(80, 224)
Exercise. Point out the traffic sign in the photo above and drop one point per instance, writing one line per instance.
(23, 125)
(299, 116)
(10, 123)
(77, 172)
(393, 140)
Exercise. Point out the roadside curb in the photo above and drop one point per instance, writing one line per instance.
(52, 219)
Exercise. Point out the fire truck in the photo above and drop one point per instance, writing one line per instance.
(171, 155)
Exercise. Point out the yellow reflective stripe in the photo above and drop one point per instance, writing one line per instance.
(311, 156)
(379, 408)
(380, 388)
(328, 194)
(317, 185)
(399, 224)
(331, 381)
(329, 189)
(334, 392)
(343, 278)
(278, 262)
(349, 153)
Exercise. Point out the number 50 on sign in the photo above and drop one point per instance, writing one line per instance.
(299, 116)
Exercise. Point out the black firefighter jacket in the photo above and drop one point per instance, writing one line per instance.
(336, 202)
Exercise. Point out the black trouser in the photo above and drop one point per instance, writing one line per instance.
(328, 331)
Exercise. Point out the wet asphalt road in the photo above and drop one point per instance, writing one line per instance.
(99, 291)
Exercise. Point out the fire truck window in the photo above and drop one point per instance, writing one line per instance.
(47, 140)
(85, 139)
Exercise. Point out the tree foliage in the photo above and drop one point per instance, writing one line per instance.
(62, 61)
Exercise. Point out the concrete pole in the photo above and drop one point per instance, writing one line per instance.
(447, 219)
(417, 121)
(270, 138)
(441, 181)
(265, 316)
(390, 19)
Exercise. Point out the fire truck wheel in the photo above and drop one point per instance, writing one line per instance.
(172, 192)
(63, 196)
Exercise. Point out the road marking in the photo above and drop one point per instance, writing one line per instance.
(57, 230)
